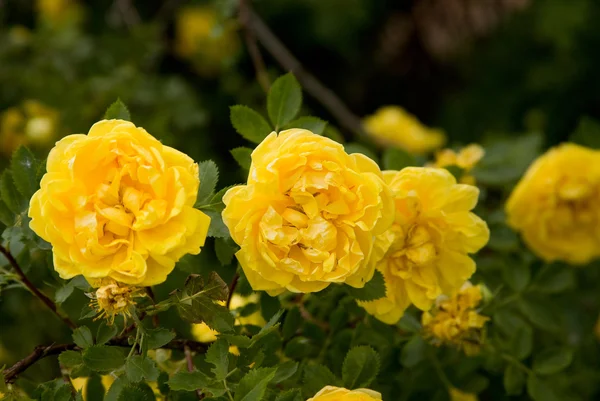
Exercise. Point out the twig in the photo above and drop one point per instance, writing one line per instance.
(190, 367)
(43, 351)
(232, 289)
(253, 50)
(311, 84)
(23, 278)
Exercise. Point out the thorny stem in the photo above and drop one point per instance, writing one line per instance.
(232, 287)
(309, 82)
(23, 278)
(253, 50)
(190, 367)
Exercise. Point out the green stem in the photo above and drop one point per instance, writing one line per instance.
(227, 390)
(439, 370)
(135, 343)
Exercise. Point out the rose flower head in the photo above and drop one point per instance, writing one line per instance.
(466, 158)
(555, 205)
(112, 299)
(116, 203)
(331, 393)
(455, 320)
(425, 253)
(308, 214)
(394, 126)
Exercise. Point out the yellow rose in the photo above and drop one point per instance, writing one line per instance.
(203, 39)
(394, 126)
(555, 205)
(457, 395)
(455, 321)
(308, 215)
(117, 203)
(425, 253)
(331, 393)
(466, 159)
(32, 123)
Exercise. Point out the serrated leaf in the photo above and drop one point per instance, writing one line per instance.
(209, 176)
(397, 159)
(159, 337)
(225, 248)
(313, 124)
(360, 368)
(136, 392)
(514, 380)
(117, 111)
(102, 358)
(82, 336)
(316, 377)
(290, 395)
(552, 360)
(7, 217)
(285, 370)
(243, 156)
(139, 367)
(284, 100)
(11, 196)
(374, 289)
(105, 333)
(62, 393)
(218, 355)
(24, 169)
(217, 228)
(188, 381)
(70, 359)
(253, 385)
(249, 124)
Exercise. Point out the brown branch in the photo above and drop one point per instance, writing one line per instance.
(311, 84)
(42, 351)
(190, 367)
(23, 278)
(253, 50)
(232, 287)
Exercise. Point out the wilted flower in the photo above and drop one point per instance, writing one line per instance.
(425, 253)
(331, 393)
(394, 126)
(555, 205)
(466, 159)
(112, 299)
(308, 214)
(455, 321)
(32, 123)
(117, 203)
(204, 40)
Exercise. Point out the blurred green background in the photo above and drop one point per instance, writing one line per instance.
(472, 68)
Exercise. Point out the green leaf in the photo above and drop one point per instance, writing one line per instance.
(139, 367)
(136, 392)
(374, 289)
(117, 111)
(218, 355)
(10, 194)
(587, 133)
(313, 124)
(269, 305)
(271, 325)
(7, 217)
(105, 333)
(285, 370)
(316, 377)
(397, 159)
(209, 176)
(217, 228)
(196, 303)
(253, 385)
(514, 380)
(553, 279)
(225, 248)
(115, 389)
(95, 389)
(82, 336)
(503, 239)
(284, 100)
(521, 343)
(62, 392)
(516, 275)
(249, 124)
(159, 337)
(540, 390)
(413, 352)
(360, 368)
(292, 322)
(538, 312)
(290, 395)
(63, 293)
(243, 156)
(24, 169)
(102, 358)
(188, 381)
(552, 360)
(70, 359)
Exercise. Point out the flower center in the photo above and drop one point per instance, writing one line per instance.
(575, 206)
(412, 250)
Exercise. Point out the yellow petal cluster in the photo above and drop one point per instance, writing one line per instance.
(455, 321)
(425, 253)
(394, 126)
(118, 204)
(466, 159)
(31, 123)
(331, 393)
(112, 299)
(458, 395)
(555, 205)
(204, 40)
(308, 214)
